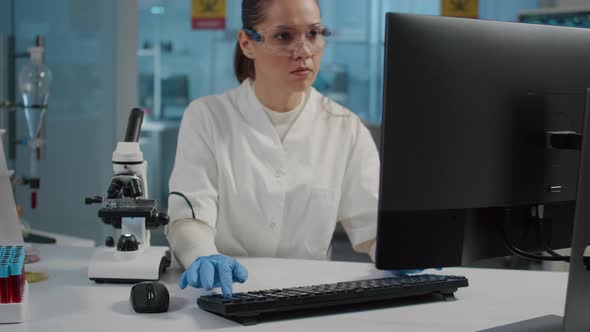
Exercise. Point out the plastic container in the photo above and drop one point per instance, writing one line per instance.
(13, 287)
(32, 254)
(11, 313)
(12, 274)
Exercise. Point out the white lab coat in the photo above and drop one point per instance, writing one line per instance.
(264, 197)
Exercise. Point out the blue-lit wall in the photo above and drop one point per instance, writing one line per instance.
(354, 55)
(5, 15)
(504, 10)
(80, 50)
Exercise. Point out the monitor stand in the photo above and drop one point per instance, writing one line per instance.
(550, 323)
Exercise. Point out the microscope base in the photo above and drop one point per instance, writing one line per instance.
(108, 265)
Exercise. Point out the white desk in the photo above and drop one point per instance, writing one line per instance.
(68, 301)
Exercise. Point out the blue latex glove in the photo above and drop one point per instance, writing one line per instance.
(213, 271)
(400, 273)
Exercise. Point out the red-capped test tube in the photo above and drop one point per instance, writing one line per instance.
(16, 281)
(4, 273)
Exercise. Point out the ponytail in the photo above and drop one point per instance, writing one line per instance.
(243, 66)
(252, 15)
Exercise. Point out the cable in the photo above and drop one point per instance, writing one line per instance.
(555, 257)
(528, 255)
(549, 250)
(515, 250)
(541, 234)
(187, 201)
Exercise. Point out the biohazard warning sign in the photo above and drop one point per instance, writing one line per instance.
(460, 8)
(208, 14)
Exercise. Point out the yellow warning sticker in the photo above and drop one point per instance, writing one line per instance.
(460, 8)
(208, 14)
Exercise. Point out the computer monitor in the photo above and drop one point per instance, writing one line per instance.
(481, 133)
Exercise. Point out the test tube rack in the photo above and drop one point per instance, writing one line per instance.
(13, 286)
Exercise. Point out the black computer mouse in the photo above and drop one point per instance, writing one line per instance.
(149, 297)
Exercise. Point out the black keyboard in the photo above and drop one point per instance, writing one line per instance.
(251, 307)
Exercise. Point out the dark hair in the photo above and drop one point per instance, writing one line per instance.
(252, 15)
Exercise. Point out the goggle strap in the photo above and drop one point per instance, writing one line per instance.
(253, 34)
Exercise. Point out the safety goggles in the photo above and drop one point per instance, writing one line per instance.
(286, 41)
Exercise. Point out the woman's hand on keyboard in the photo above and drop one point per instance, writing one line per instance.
(213, 271)
(399, 273)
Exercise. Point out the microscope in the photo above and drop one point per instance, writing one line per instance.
(131, 259)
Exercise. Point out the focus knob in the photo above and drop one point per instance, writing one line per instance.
(127, 242)
(93, 200)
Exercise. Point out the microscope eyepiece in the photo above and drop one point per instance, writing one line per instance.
(134, 125)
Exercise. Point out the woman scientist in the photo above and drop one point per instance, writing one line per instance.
(269, 168)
